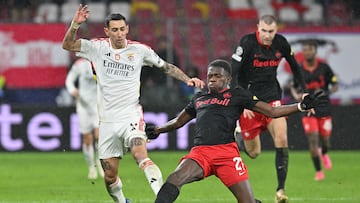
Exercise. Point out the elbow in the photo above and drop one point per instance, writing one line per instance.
(66, 47)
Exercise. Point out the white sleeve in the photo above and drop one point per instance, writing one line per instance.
(152, 58)
(71, 77)
(87, 50)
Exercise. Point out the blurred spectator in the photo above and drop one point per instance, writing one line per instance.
(157, 88)
(20, 10)
(155, 76)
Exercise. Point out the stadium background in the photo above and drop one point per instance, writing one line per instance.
(36, 114)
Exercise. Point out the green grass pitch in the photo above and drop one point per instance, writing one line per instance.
(61, 177)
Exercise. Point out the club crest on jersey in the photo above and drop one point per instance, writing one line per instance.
(131, 57)
(117, 57)
(278, 54)
(227, 95)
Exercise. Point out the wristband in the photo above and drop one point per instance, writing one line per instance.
(299, 108)
(74, 25)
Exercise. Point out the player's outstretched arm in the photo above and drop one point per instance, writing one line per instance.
(309, 102)
(153, 131)
(177, 73)
(69, 42)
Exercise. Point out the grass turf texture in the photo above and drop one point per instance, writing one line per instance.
(62, 177)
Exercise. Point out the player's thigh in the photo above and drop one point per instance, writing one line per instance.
(135, 137)
(187, 171)
(325, 126)
(110, 143)
(253, 145)
(278, 130)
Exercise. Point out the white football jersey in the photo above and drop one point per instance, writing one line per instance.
(81, 70)
(118, 75)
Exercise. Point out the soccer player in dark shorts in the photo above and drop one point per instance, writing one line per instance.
(318, 75)
(255, 62)
(216, 152)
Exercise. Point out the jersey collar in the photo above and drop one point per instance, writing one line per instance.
(306, 67)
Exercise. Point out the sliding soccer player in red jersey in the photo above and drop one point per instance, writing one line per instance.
(255, 62)
(317, 125)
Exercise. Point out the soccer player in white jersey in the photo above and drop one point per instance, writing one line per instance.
(86, 109)
(117, 62)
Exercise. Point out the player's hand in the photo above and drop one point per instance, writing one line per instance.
(150, 131)
(248, 114)
(81, 14)
(196, 82)
(311, 100)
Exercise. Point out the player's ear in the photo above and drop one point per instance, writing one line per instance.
(106, 30)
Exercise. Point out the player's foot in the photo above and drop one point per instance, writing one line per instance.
(92, 173)
(257, 201)
(326, 161)
(99, 168)
(127, 200)
(280, 197)
(319, 176)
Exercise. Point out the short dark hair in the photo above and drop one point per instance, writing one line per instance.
(268, 19)
(221, 64)
(310, 42)
(114, 16)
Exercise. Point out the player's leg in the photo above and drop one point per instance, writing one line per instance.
(187, 171)
(325, 128)
(311, 130)
(152, 171)
(249, 140)
(231, 170)
(111, 149)
(243, 192)
(86, 129)
(89, 153)
(278, 130)
(112, 180)
(253, 146)
(97, 162)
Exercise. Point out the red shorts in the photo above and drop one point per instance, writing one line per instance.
(322, 125)
(223, 161)
(252, 127)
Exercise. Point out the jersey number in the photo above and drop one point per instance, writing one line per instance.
(239, 165)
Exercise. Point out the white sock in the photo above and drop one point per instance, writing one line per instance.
(115, 191)
(152, 173)
(89, 154)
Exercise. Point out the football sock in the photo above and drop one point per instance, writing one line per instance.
(316, 162)
(324, 150)
(281, 163)
(167, 194)
(115, 191)
(89, 154)
(152, 173)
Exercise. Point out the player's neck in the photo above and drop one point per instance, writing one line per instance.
(310, 63)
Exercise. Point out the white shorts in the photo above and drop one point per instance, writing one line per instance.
(114, 138)
(88, 119)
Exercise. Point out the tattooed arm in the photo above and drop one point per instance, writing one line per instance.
(177, 73)
(69, 42)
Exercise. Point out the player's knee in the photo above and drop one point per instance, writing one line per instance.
(253, 154)
(110, 178)
(175, 180)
